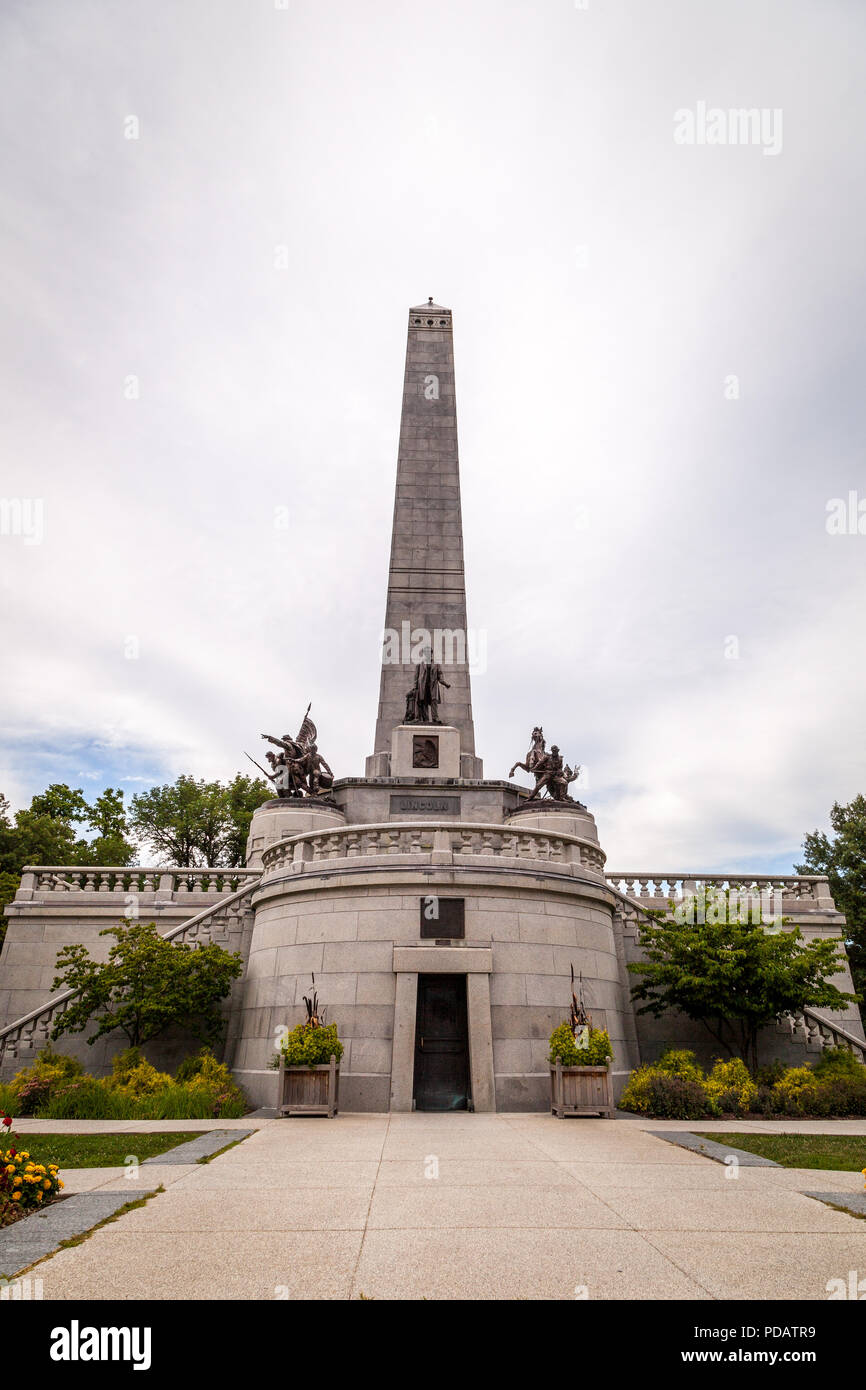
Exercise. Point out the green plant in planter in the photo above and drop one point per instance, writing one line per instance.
(311, 1046)
(596, 1050)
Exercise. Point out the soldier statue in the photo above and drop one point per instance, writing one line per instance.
(298, 769)
(550, 774)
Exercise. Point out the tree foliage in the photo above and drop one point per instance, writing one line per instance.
(733, 976)
(843, 860)
(48, 832)
(197, 824)
(146, 986)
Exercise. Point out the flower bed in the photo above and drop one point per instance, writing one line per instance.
(25, 1186)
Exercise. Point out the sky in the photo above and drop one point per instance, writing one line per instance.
(215, 217)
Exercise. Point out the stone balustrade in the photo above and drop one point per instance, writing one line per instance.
(817, 1032)
(65, 878)
(433, 842)
(660, 888)
(213, 923)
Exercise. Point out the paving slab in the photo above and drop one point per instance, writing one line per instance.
(468, 1208)
(291, 1175)
(766, 1265)
(35, 1236)
(481, 1172)
(855, 1202)
(732, 1208)
(448, 1207)
(122, 1179)
(716, 1149)
(518, 1264)
(190, 1210)
(278, 1265)
(699, 1175)
(203, 1147)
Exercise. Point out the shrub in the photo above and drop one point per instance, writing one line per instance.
(676, 1097)
(731, 1087)
(122, 1063)
(138, 1081)
(771, 1073)
(840, 1094)
(193, 1065)
(796, 1091)
(680, 1062)
(766, 1101)
(636, 1096)
(596, 1051)
(88, 1099)
(204, 1070)
(667, 1095)
(838, 1061)
(306, 1046)
(49, 1071)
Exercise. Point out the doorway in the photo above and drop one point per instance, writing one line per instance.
(441, 1044)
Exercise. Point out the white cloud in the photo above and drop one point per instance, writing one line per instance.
(463, 153)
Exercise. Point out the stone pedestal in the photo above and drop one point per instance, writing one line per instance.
(566, 818)
(277, 819)
(425, 750)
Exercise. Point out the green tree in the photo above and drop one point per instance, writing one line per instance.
(60, 802)
(243, 795)
(182, 820)
(40, 839)
(734, 977)
(843, 860)
(146, 986)
(107, 816)
(195, 824)
(46, 833)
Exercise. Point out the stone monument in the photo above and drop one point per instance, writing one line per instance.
(443, 914)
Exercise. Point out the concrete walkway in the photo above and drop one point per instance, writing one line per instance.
(464, 1206)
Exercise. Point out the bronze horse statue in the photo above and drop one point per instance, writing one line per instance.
(535, 754)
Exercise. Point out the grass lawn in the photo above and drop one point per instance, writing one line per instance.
(839, 1151)
(95, 1150)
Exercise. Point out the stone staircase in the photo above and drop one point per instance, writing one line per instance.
(211, 924)
(816, 1032)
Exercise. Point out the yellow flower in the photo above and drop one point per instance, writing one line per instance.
(39, 1196)
(60, 1184)
(16, 1182)
(46, 1183)
(16, 1196)
(10, 1167)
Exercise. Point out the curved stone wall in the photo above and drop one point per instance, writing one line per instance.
(344, 924)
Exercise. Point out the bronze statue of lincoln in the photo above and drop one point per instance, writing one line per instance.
(424, 697)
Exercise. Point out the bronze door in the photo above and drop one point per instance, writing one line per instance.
(441, 1044)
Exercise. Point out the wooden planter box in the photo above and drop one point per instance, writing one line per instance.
(580, 1091)
(308, 1090)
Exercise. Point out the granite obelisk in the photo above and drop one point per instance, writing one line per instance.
(426, 583)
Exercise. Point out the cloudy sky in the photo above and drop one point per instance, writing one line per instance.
(215, 217)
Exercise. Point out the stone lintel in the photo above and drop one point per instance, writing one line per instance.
(443, 960)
